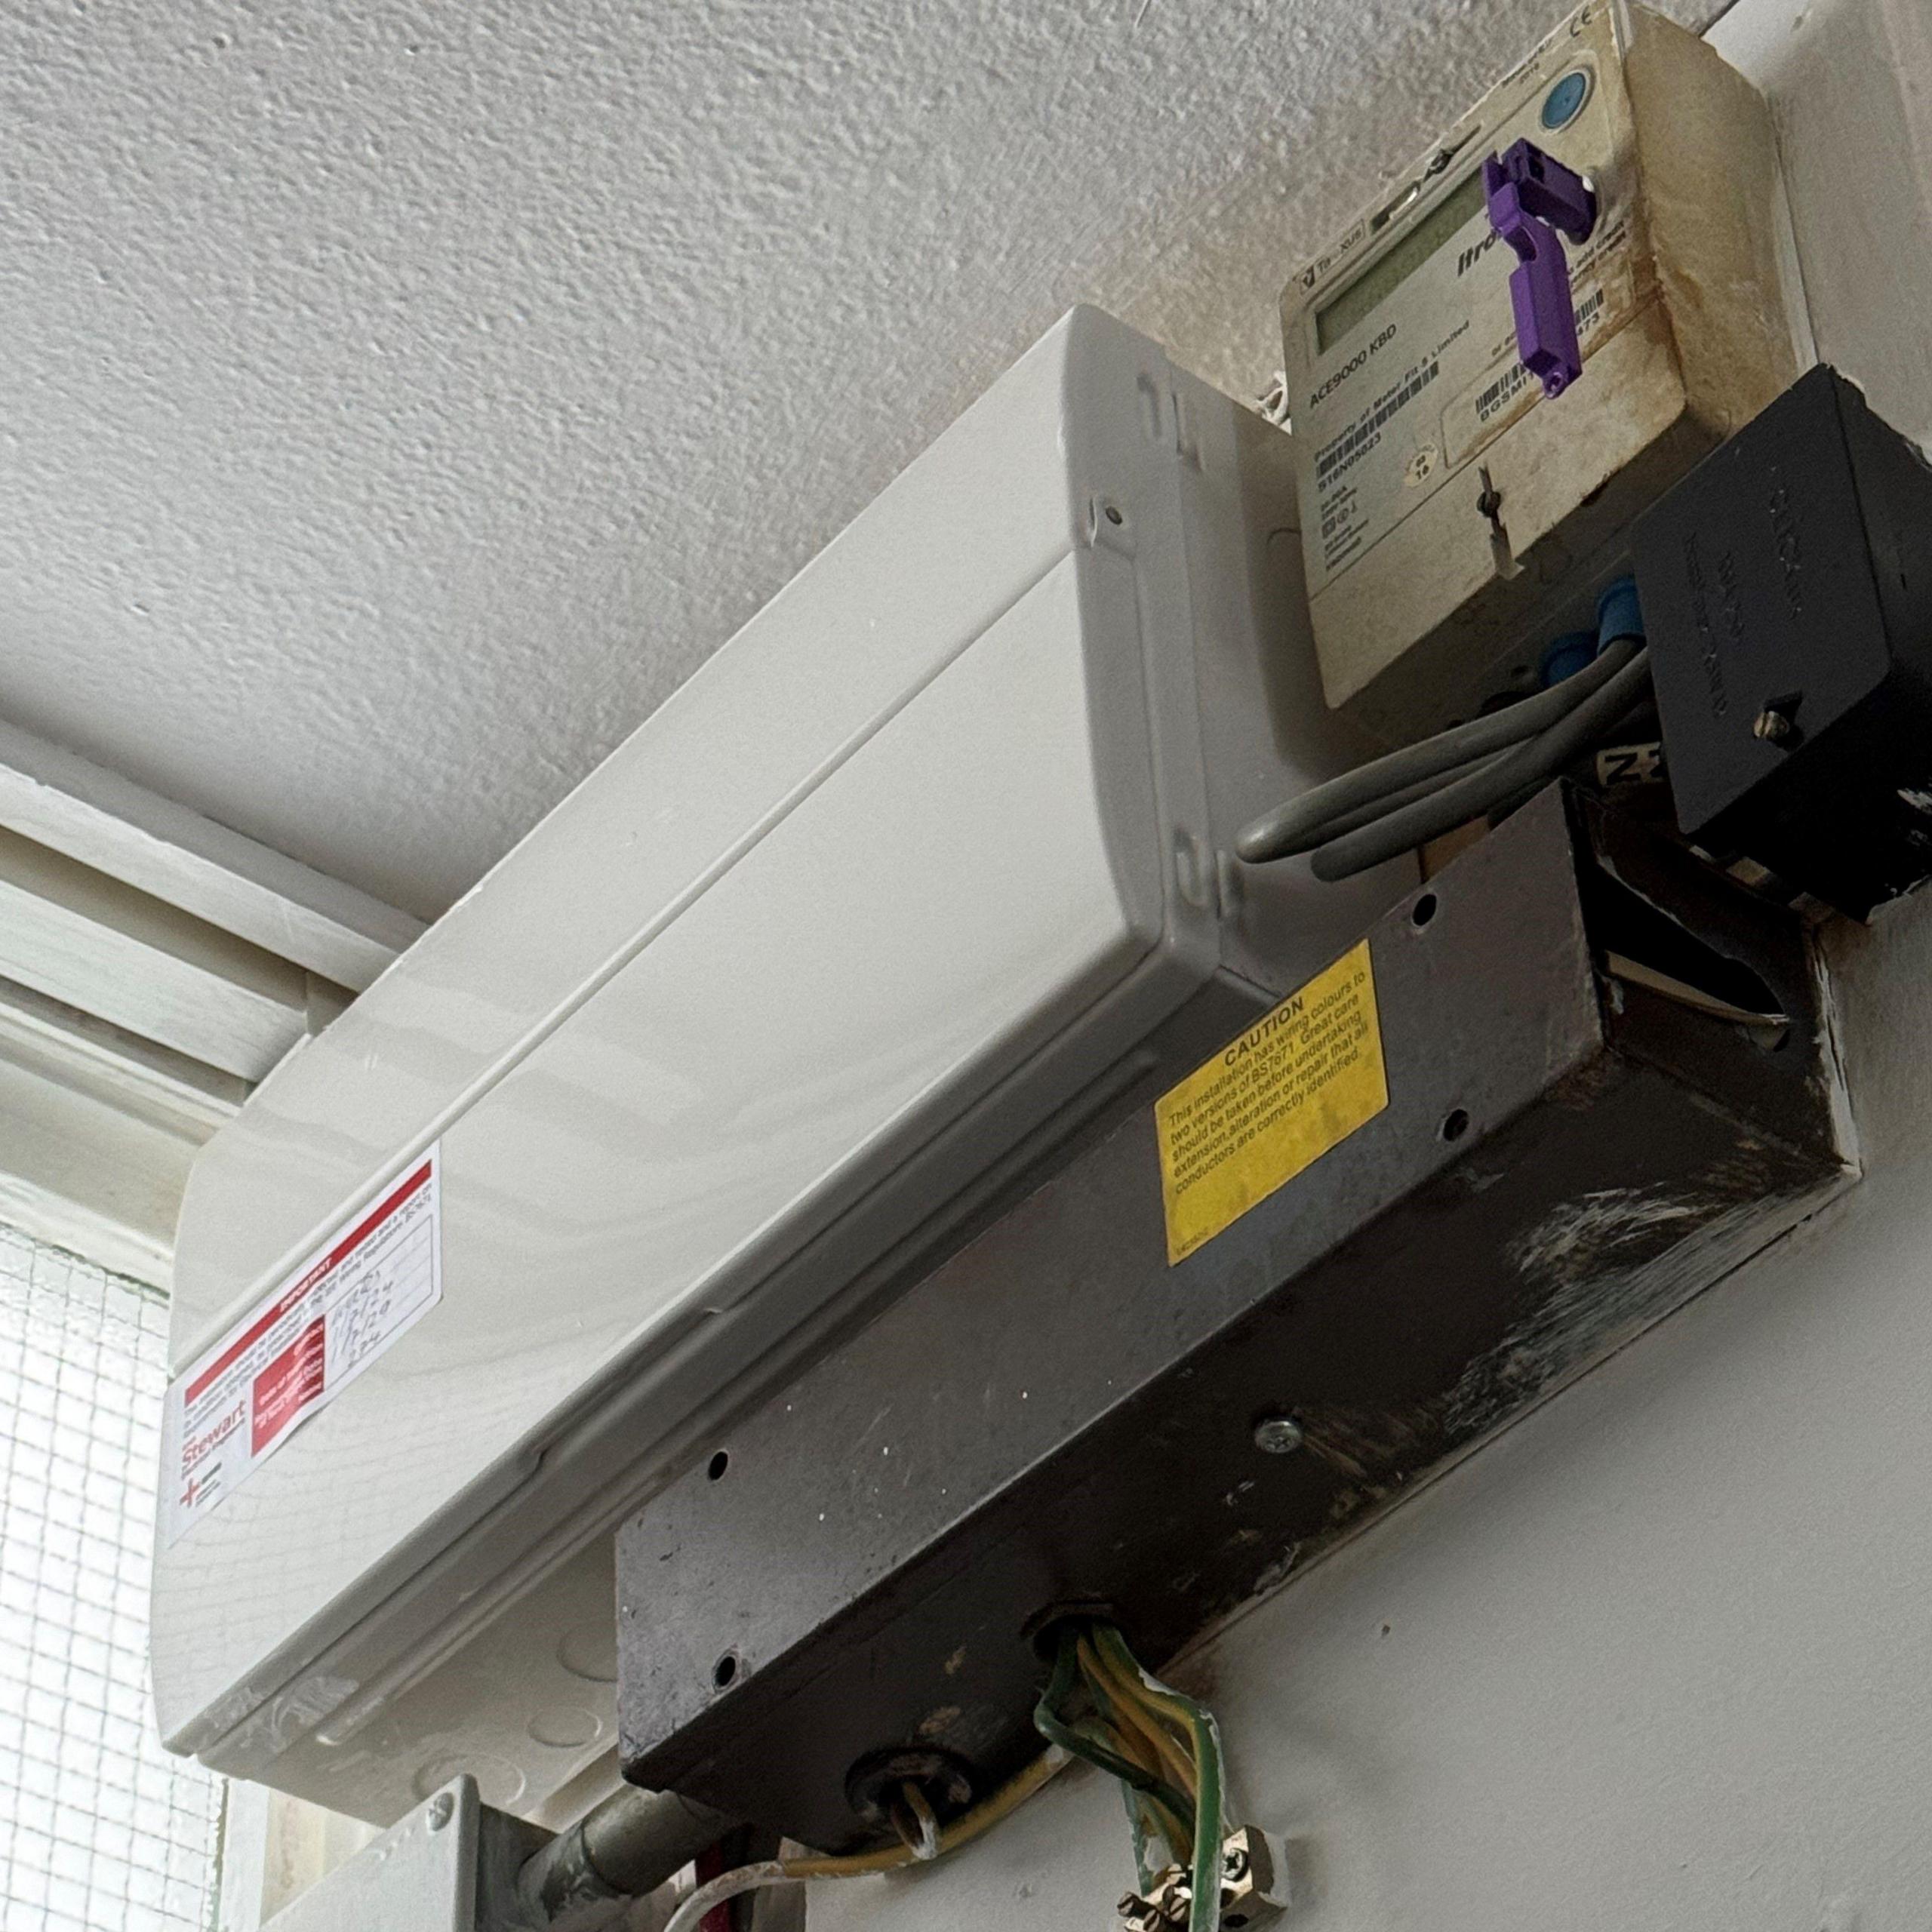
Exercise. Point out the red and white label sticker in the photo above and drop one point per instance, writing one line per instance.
(359, 1294)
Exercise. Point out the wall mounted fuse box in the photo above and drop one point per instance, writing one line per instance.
(927, 872)
(1463, 456)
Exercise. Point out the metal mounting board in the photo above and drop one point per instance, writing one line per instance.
(1056, 1415)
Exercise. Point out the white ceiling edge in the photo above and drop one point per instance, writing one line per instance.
(400, 403)
(102, 820)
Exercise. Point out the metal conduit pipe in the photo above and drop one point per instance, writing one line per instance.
(628, 1845)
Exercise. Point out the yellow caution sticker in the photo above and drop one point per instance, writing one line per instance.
(1298, 1082)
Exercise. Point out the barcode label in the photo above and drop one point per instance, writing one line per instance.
(1350, 443)
(1501, 393)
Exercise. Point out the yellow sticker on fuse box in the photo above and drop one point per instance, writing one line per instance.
(1298, 1082)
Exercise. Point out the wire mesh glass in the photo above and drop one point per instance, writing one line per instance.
(100, 1829)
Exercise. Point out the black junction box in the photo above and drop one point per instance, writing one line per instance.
(1787, 591)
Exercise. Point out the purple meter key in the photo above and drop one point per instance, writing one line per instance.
(1531, 195)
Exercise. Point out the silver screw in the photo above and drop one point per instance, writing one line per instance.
(1278, 1435)
(441, 1811)
(1772, 725)
(1234, 1865)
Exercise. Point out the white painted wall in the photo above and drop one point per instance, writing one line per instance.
(1660, 1659)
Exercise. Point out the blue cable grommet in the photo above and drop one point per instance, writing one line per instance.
(1564, 657)
(1619, 613)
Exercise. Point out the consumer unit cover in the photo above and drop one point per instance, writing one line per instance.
(889, 897)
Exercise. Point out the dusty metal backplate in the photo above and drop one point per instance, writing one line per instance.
(1054, 1415)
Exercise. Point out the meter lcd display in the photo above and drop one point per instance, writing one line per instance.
(1365, 294)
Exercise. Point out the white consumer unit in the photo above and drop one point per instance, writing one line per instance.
(902, 894)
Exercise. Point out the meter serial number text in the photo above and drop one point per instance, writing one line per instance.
(1355, 362)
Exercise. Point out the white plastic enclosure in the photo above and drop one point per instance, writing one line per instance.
(892, 884)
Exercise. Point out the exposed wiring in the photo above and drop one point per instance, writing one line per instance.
(1112, 1683)
(1204, 1909)
(1131, 1742)
(917, 1822)
(961, 1832)
(1385, 784)
(1141, 1827)
(1140, 1714)
(1633, 972)
(1136, 1722)
(722, 1890)
(1153, 1821)
(1107, 1750)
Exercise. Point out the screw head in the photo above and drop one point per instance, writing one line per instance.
(1772, 725)
(441, 1811)
(1278, 1435)
(1234, 1865)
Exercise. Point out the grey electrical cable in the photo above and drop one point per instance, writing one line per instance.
(1302, 823)
(1537, 763)
(1490, 789)
(1379, 808)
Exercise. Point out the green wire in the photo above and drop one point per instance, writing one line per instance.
(1204, 1912)
(1172, 1825)
(1143, 1790)
(1056, 1729)
(1132, 1715)
(1170, 1817)
(1136, 1823)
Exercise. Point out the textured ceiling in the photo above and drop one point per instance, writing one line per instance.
(397, 401)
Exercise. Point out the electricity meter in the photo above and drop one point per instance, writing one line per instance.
(1576, 292)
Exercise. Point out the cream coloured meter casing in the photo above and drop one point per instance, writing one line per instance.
(1446, 501)
(923, 872)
